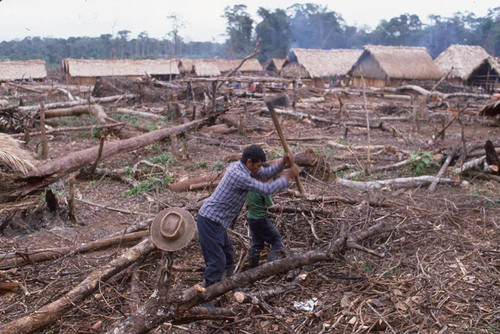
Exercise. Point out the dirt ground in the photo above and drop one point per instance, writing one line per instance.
(437, 270)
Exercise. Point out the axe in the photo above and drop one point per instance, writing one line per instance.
(282, 101)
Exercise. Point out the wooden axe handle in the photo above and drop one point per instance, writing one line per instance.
(283, 143)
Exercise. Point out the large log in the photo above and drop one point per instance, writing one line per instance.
(49, 172)
(56, 309)
(20, 258)
(171, 306)
(398, 183)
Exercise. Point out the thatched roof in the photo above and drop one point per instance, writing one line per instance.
(490, 62)
(227, 65)
(199, 67)
(275, 64)
(460, 60)
(13, 157)
(318, 63)
(119, 67)
(205, 69)
(22, 69)
(396, 62)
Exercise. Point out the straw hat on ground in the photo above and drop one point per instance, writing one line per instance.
(172, 229)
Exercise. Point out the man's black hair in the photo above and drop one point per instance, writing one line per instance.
(253, 152)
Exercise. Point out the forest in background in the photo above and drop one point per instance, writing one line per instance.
(299, 26)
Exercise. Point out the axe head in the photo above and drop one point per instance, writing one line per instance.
(278, 101)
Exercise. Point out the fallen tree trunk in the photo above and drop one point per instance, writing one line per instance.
(425, 92)
(196, 183)
(77, 103)
(403, 182)
(172, 306)
(56, 309)
(53, 170)
(72, 129)
(21, 258)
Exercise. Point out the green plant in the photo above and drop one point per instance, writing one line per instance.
(162, 159)
(200, 164)
(96, 133)
(130, 171)
(152, 183)
(366, 266)
(132, 119)
(155, 148)
(275, 154)
(219, 165)
(152, 127)
(422, 163)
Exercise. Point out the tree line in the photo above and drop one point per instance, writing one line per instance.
(299, 26)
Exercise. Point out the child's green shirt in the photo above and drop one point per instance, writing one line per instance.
(257, 205)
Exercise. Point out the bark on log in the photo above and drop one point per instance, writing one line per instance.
(404, 182)
(476, 163)
(491, 156)
(77, 103)
(12, 260)
(197, 182)
(172, 306)
(434, 183)
(72, 129)
(56, 309)
(53, 170)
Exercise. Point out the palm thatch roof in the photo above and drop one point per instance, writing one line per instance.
(22, 69)
(460, 60)
(396, 62)
(199, 67)
(315, 63)
(13, 157)
(227, 65)
(119, 67)
(205, 69)
(490, 62)
(275, 64)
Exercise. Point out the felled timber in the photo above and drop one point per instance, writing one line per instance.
(56, 309)
(171, 305)
(29, 257)
(48, 172)
(398, 183)
(202, 182)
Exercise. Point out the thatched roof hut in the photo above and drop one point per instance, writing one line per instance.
(22, 70)
(198, 67)
(458, 61)
(275, 65)
(381, 66)
(227, 65)
(486, 75)
(317, 64)
(86, 70)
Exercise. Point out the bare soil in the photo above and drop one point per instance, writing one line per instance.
(440, 267)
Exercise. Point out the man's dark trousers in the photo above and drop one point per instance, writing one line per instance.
(216, 247)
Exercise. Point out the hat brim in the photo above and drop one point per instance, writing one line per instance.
(179, 243)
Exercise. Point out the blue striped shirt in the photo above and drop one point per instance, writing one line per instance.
(224, 205)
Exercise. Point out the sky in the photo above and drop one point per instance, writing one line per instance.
(202, 19)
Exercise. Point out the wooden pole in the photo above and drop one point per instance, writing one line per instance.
(283, 143)
(214, 91)
(44, 146)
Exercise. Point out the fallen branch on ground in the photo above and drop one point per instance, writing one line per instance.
(404, 182)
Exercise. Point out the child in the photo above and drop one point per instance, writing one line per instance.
(261, 227)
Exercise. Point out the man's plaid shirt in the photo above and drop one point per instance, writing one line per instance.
(224, 205)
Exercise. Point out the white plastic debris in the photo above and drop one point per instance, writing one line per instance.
(308, 305)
